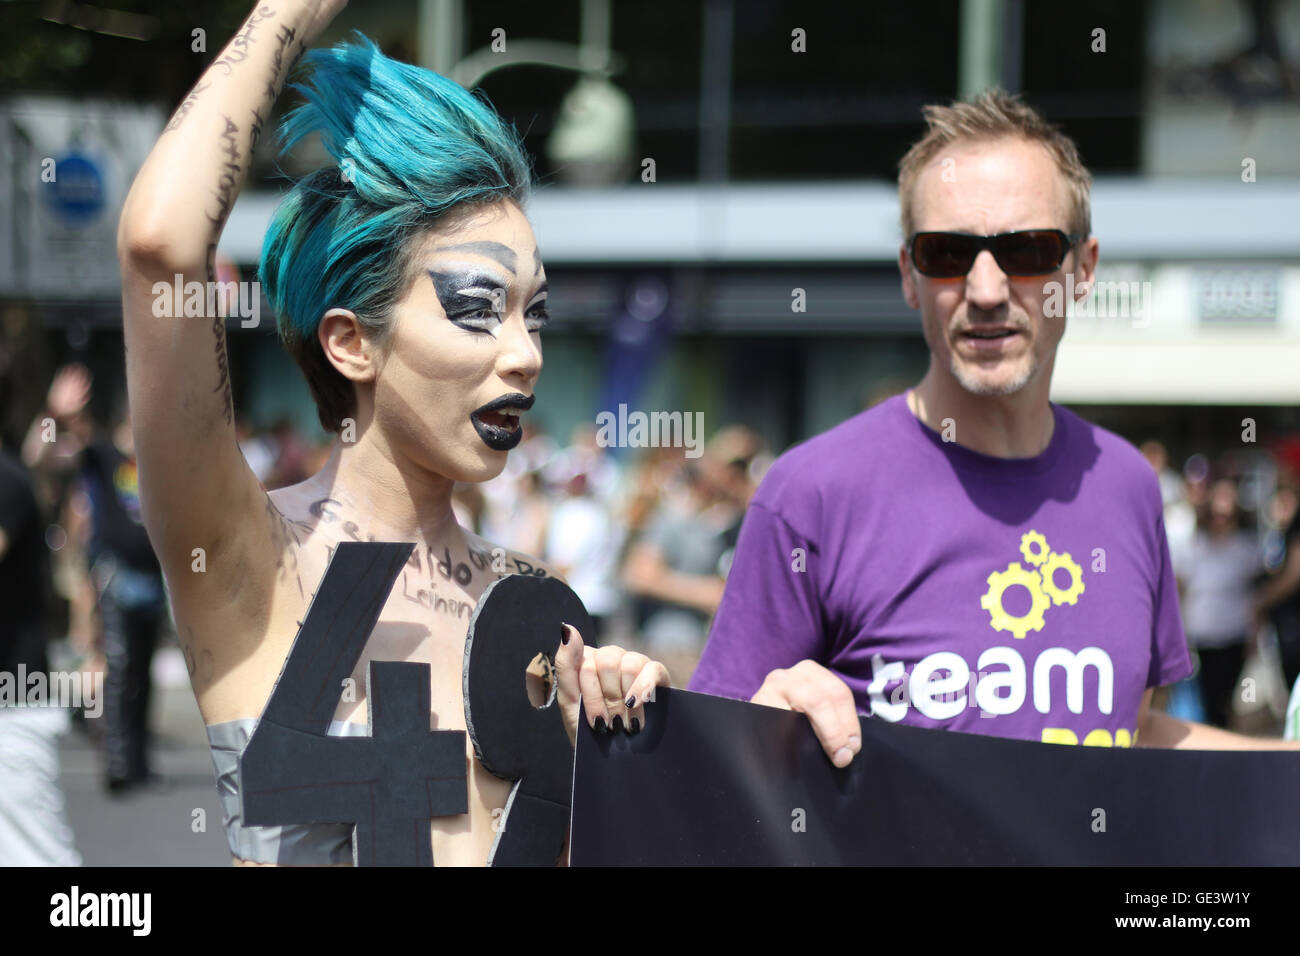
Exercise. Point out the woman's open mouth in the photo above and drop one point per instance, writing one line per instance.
(497, 422)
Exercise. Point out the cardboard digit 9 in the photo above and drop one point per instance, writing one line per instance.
(517, 618)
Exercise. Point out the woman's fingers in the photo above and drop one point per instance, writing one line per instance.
(593, 697)
(640, 678)
(609, 672)
(614, 685)
(568, 662)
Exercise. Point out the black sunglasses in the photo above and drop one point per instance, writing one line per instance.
(1030, 252)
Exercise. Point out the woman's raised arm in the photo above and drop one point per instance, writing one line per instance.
(195, 485)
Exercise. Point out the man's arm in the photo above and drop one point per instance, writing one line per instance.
(767, 635)
(770, 615)
(1157, 729)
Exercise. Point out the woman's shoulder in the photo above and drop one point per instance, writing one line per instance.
(501, 560)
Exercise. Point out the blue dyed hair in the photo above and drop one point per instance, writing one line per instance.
(409, 147)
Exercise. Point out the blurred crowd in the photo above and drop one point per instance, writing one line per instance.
(1234, 542)
(645, 542)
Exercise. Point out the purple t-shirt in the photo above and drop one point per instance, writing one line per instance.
(1031, 598)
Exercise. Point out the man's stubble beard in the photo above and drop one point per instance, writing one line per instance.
(977, 386)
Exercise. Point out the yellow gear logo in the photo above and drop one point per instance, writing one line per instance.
(1056, 562)
(1039, 582)
(1034, 547)
(1031, 620)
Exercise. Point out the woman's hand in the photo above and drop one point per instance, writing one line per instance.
(614, 684)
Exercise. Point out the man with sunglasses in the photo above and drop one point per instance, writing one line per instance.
(968, 555)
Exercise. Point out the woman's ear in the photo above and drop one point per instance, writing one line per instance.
(347, 346)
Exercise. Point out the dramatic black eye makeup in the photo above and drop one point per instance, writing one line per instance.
(535, 313)
(476, 300)
(473, 299)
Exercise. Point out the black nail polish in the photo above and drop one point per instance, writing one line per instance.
(636, 726)
(600, 725)
(631, 702)
(564, 634)
(618, 724)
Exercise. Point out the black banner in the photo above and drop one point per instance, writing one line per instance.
(711, 781)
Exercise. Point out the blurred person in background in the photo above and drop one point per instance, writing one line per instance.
(1217, 571)
(52, 450)
(1278, 598)
(1180, 516)
(63, 427)
(680, 563)
(515, 502)
(34, 829)
(292, 455)
(132, 602)
(584, 543)
(1171, 483)
(659, 473)
(584, 455)
(516, 513)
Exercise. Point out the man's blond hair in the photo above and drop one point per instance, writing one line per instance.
(993, 115)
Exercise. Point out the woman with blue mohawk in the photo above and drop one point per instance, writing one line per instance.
(408, 286)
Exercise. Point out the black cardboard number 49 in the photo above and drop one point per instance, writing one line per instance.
(388, 785)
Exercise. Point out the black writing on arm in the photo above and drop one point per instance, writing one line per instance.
(286, 540)
(237, 50)
(227, 185)
(187, 650)
(254, 134)
(283, 38)
(219, 347)
(231, 170)
(202, 667)
(187, 104)
(223, 369)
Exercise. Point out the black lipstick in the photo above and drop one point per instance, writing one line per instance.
(501, 437)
